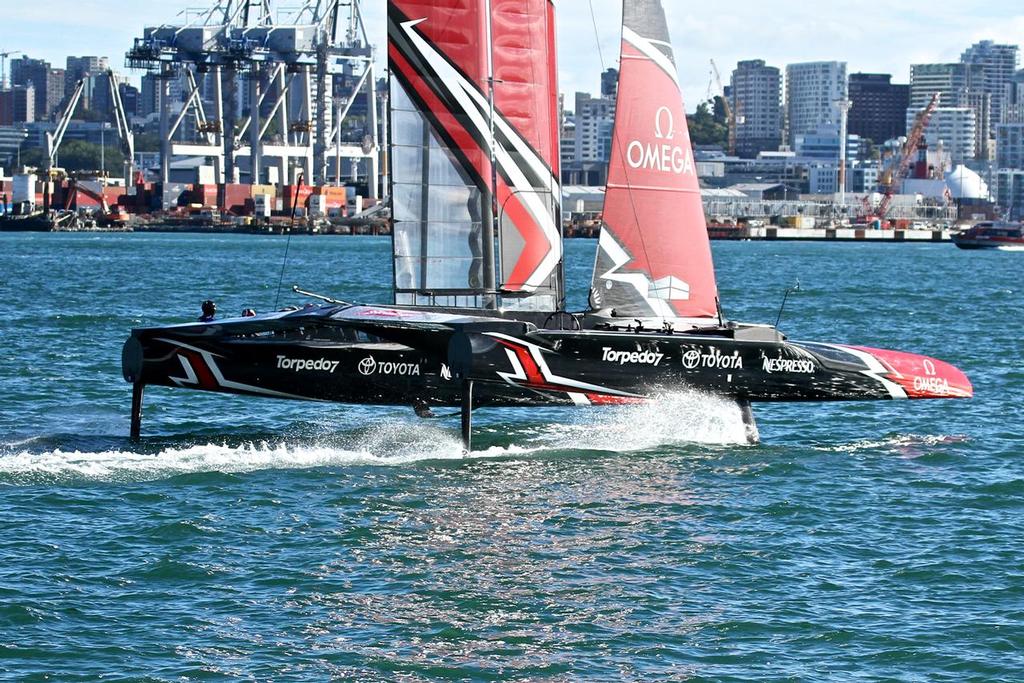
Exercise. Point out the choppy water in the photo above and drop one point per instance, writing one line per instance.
(260, 540)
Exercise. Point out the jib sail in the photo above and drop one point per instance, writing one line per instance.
(467, 232)
(654, 258)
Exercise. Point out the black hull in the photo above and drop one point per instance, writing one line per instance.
(989, 244)
(393, 357)
(27, 224)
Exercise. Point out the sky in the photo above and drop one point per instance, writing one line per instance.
(870, 37)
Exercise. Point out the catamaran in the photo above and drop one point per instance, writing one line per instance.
(478, 317)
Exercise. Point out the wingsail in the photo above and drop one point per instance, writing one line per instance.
(654, 257)
(466, 233)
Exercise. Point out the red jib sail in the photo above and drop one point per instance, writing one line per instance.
(446, 198)
(654, 257)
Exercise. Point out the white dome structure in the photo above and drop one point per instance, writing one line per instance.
(963, 183)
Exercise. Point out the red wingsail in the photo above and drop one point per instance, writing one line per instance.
(654, 258)
(442, 54)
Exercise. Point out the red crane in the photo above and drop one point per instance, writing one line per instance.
(902, 165)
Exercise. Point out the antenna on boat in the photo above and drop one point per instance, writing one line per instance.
(288, 243)
(794, 288)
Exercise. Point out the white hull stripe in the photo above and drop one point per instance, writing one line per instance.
(537, 355)
(222, 381)
(875, 370)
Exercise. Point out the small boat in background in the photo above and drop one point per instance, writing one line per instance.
(991, 235)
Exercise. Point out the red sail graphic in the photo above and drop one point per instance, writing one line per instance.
(442, 54)
(654, 257)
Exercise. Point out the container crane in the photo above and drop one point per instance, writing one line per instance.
(3, 66)
(730, 118)
(124, 130)
(907, 153)
(54, 139)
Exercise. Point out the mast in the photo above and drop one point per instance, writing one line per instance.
(490, 219)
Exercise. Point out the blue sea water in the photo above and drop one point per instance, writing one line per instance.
(249, 539)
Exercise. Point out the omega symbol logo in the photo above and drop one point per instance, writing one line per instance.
(368, 366)
(929, 368)
(664, 116)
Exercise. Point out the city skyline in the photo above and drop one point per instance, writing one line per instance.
(910, 33)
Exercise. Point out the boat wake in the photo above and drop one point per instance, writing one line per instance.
(388, 445)
(671, 420)
(904, 445)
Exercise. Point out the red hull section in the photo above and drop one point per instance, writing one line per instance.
(921, 376)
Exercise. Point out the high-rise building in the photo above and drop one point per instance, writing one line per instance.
(129, 98)
(952, 128)
(878, 107)
(17, 105)
(56, 89)
(1010, 193)
(48, 92)
(610, 83)
(999, 63)
(755, 92)
(951, 81)
(595, 118)
(11, 140)
(568, 142)
(981, 103)
(150, 95)
(97, 92)
(1010, 145)
(813, 90)
(1013, 99)
(79, 68)
(960, 86)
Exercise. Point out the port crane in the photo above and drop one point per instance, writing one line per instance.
(902, 165)
(3, 66)
(305, 66)
(124, 131)
(54, 139)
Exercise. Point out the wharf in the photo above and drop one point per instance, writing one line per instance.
(845, 233)
(834, 234)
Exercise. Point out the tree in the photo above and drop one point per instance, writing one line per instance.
(720, 116)
(704, 129)
(147, 142)
(77, 155)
